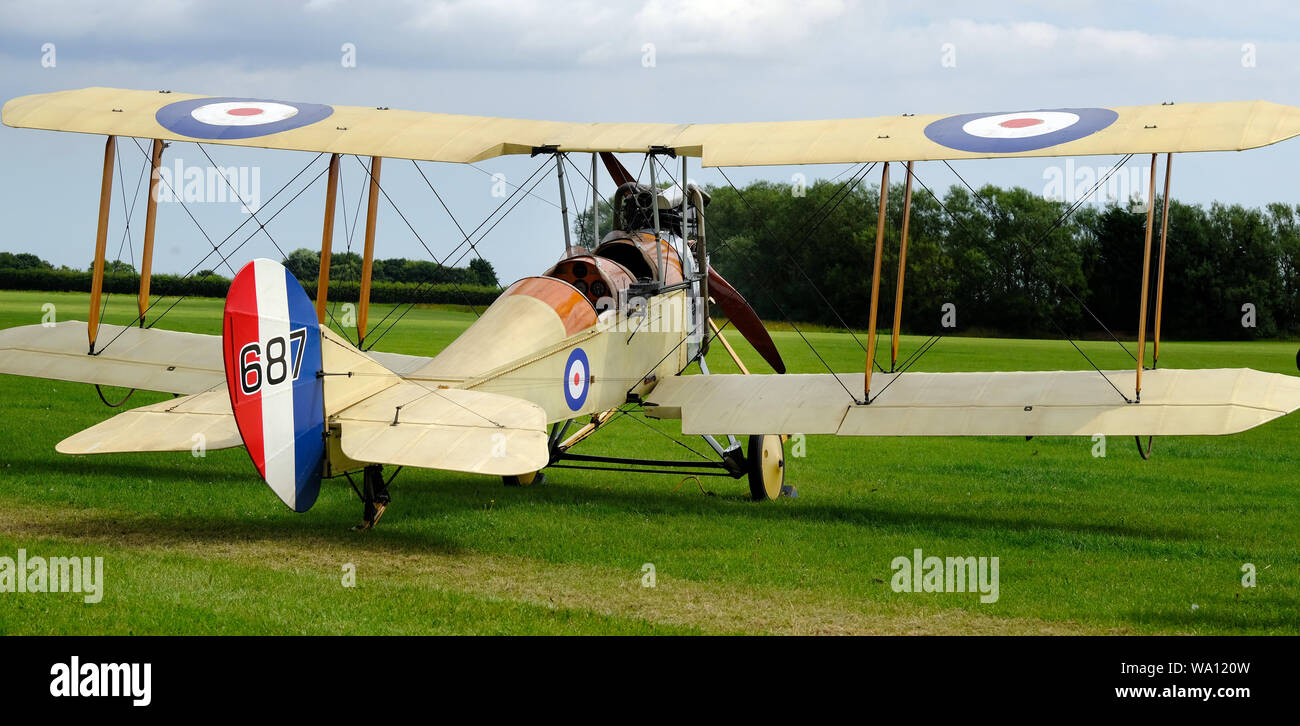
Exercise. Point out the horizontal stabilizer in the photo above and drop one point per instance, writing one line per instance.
(1040, 403)
(145, 358)
(446, 428)
(177, 425)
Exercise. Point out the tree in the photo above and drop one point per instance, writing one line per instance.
(23, 261)
(582, 226)
(483, 273)
(304, 264)
(114, 267)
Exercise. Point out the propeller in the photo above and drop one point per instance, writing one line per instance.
(616, 169)
(737, 309)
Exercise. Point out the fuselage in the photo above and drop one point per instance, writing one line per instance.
(583, 326)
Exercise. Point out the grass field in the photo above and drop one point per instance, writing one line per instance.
(1086, 544)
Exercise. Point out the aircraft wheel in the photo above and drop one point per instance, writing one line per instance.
(766, 462)
(524, 480)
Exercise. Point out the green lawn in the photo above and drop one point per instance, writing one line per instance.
(1092, 545)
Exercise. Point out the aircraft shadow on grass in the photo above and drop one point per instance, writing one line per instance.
(428, 496)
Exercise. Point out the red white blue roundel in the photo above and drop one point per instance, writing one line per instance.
(1008, 133)
(271, 344)
(577, 379)
(237, 118)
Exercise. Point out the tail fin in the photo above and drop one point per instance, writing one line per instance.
(271, 342)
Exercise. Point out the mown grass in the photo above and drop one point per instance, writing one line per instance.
(1086, 544)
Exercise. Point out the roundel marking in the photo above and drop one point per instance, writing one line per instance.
(237, 118)
(1009, 133)
(577, 379)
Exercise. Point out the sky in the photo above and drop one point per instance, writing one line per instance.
(611, 60)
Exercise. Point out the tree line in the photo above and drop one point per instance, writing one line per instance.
(1011, 261)
(394, 280)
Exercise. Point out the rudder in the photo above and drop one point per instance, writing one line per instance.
(271, 344)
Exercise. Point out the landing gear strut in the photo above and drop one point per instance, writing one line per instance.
(374, 496)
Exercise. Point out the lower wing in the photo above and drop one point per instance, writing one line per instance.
(1046, 403)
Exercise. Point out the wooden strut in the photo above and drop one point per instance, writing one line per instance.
(1146, 277)
(150, 221)
(368, 259)
(596, 422)
(101, 241)
(902, 268)
(327, 240)
(1160, 269)
(875, 283)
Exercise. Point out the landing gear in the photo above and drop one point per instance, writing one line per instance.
(766, 464)
(524, 480)
(374, 496)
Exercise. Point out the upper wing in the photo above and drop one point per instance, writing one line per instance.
(1046, 403)
(1184, 127)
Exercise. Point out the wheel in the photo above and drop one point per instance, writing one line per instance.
(766, 462)
(524, 480)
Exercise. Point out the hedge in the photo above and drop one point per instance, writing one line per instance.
(215, 286)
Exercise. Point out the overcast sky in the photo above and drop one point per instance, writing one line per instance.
(714, 61)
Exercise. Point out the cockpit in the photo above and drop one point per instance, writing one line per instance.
(600, 280)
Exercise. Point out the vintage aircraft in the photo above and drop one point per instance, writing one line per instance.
(604, 328)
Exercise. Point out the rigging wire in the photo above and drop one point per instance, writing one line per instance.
(996, 212)
(224, 258)
(839, 196)
(453, 219)
(771, 299)
(1050, 318)
(503, 180)
(420, 287)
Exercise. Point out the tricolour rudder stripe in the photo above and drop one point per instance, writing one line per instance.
(308, 395)
(271, 341)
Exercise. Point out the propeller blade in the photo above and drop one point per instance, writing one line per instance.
(745, 320)
(616, 169)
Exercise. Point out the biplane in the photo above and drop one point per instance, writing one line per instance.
(624, 322)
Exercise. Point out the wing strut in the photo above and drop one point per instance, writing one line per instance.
(327, 239)
(150, 221)
(1160, 270)
(875, 282)
(101, 241)
(368, 261)
(902, 268)
(1146, 276)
